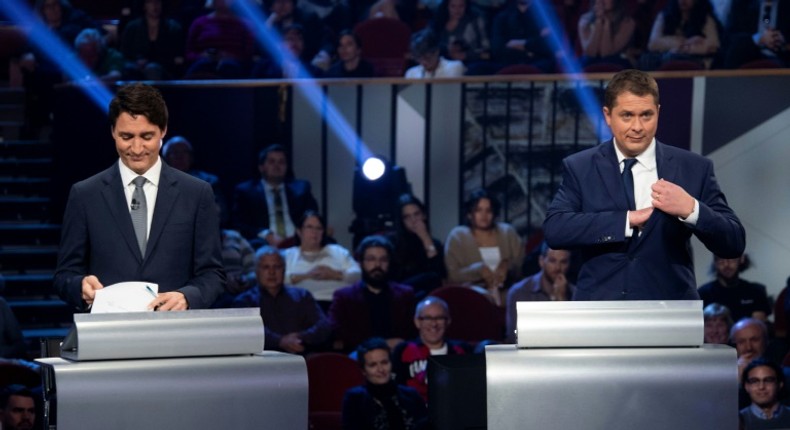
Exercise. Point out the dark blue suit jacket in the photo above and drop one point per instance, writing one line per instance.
(589, 214)
(250, 212)
(183, 251)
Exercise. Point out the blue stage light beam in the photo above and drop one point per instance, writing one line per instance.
(587, 100)
(56, 51)
(272, 42)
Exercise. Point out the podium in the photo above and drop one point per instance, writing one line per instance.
(611, 365)
(197, 369)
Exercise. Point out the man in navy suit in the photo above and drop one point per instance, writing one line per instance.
(639, 250)
(255, 202)
(100, 245)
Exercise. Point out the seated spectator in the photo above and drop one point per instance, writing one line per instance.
(717, 323)
(605, 33)
(179, 154)
(419, 257)
(549, 284)
(484, 253)
(219, 45)
(764, 381)
(350, 63)
(684, 30)
(265, 210)
(410, 358)
(293, 321)
(317, 265)
(283, 14)
(462, 32)
(374, 306)
(425, 51)
(12, 343)
(293, 63)
(519, 36)
(755, 35)
(335, 15)
(381, 404)
(742, 298)
(105, 63)
(238, 260)
(17, 409)
(153, 45)
(750, 338)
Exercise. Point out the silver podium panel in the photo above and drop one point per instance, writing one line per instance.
(612, 388)
(267, 390)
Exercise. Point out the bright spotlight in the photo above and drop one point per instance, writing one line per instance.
(373, 168)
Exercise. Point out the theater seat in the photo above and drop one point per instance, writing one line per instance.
(385, 44)
(474, 317)
(329, 376)
(672, 65)
(520, 69)
(765, 63)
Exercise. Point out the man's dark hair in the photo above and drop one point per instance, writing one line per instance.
(350, 34)
(275, 147)
(760, 362)
(632, 81)
(371, 344)
(475, 198)
(173, 141)
(139, 99)
(424, 42)
(14, 390)
(375, 241)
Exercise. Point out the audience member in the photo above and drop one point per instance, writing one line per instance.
(759, 30)
(519, 36)
(549, 284)
(605, 33)
(219, 45)
(292, 320)
(764, 381)
(484, 253)
(293, 63)
(283, 14)
(317, 265)
(153, 44)
(750, 337)
(17, 409)
(238, 260)
(264, 210)
(717, 323)
(374, 306)
(462, 32)
(425, 51)
(335, 15)
(410, 358)
(419, 257)
(105, 63)
(12, 343)
(381, 404)
(742, 298)
(350, 63)
(684, 30)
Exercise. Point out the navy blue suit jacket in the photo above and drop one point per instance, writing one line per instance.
(183, 251)
(589, 214)
(250, 212)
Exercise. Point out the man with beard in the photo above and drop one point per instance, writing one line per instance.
(17, 409)
(744, 299)
(550, 284)
(374, 306)
(763, 381)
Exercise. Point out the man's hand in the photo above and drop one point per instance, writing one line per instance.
(90, 284)
(560, 287)
(637, 219)
(172, 301)
(292, 343)
(672, 199)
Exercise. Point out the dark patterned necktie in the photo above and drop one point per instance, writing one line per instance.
(628, 182)
(140, 213)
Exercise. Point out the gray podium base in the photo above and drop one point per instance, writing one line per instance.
(612, 388)
(260, 391)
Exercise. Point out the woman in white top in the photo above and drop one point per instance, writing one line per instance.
(484, 253)
(316, 265)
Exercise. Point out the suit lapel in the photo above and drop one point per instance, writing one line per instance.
(609, 171)
(114, 197)
(166, 197)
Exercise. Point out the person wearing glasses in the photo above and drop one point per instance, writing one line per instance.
(410, 358)
(764, 381)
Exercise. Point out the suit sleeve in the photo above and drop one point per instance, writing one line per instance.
(72, 263)
(718, 228)
(208, 275)
(243, 211)
(568, 225)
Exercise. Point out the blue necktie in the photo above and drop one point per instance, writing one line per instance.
(628, 182)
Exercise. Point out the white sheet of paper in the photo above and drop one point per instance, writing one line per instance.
(124, 297)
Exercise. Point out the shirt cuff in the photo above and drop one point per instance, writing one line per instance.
(628, 230)
(692, 219)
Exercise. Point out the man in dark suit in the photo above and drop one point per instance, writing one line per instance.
(141, 220)
(758, 30)
(268, 209)
(639, 249)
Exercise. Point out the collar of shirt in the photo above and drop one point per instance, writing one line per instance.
(645, 161)
(152, 175)
(758, 411)
(270, 188)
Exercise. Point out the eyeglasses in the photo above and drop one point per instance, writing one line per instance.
(433, 319)
(768, 380)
